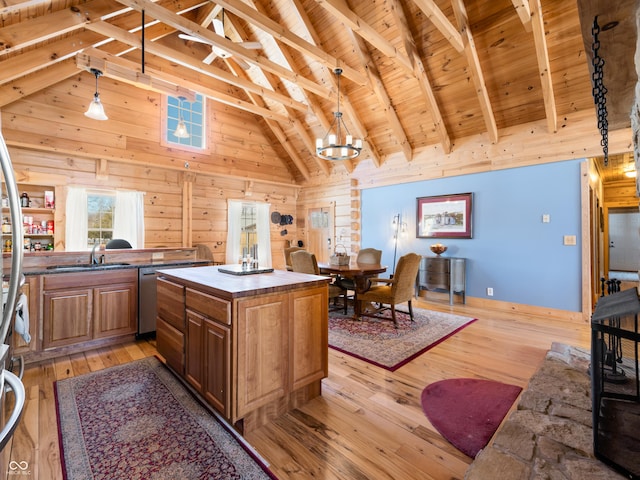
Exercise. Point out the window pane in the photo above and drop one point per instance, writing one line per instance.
(100, 210)
(191, 113)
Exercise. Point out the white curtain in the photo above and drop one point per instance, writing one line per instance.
(264, 234)
(128, 218)
(234, 213)
(76, 225)
(234, 230)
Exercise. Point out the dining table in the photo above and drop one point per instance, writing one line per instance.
(358, 272)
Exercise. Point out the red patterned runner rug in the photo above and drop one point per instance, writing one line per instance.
(375, 340)
(137, 421)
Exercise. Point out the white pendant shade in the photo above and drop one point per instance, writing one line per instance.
(96, 109)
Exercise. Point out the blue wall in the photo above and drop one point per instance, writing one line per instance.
(523, 259)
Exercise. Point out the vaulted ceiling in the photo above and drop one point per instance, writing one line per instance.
(416, 73)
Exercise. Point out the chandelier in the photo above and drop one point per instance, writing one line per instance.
(334, 146)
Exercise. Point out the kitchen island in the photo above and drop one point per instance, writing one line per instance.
(253, 346)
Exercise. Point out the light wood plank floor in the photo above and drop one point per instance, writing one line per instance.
(368, 423)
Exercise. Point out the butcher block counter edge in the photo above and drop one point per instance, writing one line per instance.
(210, 280)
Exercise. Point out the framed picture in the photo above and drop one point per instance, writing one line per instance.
(444, 216)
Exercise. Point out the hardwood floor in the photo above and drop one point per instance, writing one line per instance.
(368, 423)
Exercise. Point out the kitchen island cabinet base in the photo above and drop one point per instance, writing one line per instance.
(254, 348)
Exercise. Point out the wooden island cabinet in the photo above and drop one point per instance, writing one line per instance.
(254, 346)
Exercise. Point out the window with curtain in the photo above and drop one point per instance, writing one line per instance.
(99, 216)
(248, 232)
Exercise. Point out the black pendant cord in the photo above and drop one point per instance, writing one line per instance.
(143, 41)
(599, 91)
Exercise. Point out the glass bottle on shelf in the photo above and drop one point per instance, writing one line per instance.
(24, 200)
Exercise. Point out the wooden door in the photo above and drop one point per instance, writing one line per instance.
(217, 366)
(67, 317)
(116, 310)
(320, 238)
(194, 362)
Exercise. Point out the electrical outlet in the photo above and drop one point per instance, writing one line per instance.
(546, 218)
(490, 292)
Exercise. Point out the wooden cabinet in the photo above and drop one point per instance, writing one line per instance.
(263, 343)
(170, 323)
(79, 307)
(255, 356)
(443, 274)
(208, 349)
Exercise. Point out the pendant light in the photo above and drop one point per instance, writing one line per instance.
(96, 110)
(334, 146)
(181, 130)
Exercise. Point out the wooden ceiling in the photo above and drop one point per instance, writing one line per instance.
(416, 72)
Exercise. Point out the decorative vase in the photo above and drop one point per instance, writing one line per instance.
(438, 248)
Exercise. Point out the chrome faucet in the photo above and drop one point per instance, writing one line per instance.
(92, 259)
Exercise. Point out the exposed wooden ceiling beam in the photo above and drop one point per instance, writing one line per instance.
(422, 76)
(192, 28)
(287, 37)
(11, 6)
(275, 127)
(524, 12)
(471, 54)
(25, 86)
(342, 12)
(174, 55)
(208, 92)
(128, 73)
(542, 54)
(441, 22)
(380, 92)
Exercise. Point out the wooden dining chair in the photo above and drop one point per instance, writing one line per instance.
(287, 255)
(305, 262)
(365, 255)
(398, 289)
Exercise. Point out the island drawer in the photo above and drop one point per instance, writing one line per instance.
(212, 307)
(170, 343)
(170, 303)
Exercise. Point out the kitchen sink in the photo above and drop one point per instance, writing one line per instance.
(85, 266)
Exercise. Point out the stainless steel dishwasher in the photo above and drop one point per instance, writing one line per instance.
(147, 298)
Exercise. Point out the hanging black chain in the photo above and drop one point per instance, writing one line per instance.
(599, 91)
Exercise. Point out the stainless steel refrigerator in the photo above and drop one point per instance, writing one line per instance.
(10, 384)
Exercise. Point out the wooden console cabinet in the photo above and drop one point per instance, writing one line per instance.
(255, 347)
(443, 274)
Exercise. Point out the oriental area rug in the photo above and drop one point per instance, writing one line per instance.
(468, 411)
(377, 341)
(137, 421)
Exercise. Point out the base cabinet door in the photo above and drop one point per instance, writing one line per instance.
(208, 360)
(116, 309)
(194, 365)
(217, 365)
(67, 317)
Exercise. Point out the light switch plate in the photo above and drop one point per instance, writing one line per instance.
(546, 218)
(569, 239)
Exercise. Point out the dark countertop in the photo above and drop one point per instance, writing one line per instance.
(71, 268)
(209, 279)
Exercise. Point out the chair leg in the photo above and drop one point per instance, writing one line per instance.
(393, 315)
(410, 311)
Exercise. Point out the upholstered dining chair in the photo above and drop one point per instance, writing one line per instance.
(398, 289)
(287, 255)
(305, 262)
(366, 255)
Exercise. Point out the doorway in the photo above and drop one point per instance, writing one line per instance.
(624, 233)
(320, 232)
